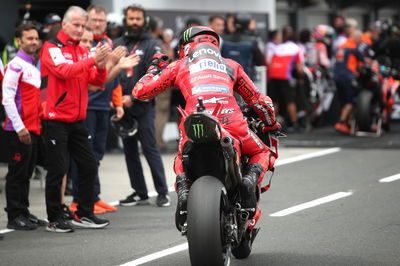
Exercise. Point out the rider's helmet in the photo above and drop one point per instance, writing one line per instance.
(126, 127)
(195, 35)
(322, 32)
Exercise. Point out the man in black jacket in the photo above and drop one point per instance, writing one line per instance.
(138, 41)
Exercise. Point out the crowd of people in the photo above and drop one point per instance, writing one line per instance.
(309, 70)
(64, 81)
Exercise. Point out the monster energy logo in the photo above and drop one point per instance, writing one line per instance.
(186, 34)
(198, 130)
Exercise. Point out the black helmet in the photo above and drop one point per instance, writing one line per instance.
(189, 36)
(126, 127)
(242, 21)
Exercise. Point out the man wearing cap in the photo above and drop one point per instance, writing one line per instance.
(51, 20)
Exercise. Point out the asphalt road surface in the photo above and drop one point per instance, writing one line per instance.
(339, 206)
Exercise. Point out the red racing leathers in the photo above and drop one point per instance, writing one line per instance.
(204, 73)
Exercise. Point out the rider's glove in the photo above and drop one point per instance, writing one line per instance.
(274, 128)
(159, 62)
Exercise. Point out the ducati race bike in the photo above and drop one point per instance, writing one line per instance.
(375, 100)
(217, 227)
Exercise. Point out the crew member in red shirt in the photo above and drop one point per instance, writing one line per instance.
(66, 70)
(287, 56)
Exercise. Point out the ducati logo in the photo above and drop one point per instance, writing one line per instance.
(17, 157)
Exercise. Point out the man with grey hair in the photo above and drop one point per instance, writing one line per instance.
(98, 113)
(66, 71)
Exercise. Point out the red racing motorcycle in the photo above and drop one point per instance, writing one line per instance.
(376, 100)
(217, 227)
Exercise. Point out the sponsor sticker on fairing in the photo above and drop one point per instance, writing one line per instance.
(207, 63)
(210, 88)
(255, 138)
(204, 52)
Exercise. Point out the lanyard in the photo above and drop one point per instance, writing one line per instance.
(129, 72)
(135, 47)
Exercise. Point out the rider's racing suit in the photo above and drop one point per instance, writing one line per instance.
(204, 73)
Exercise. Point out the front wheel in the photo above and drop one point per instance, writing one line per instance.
(205, 221)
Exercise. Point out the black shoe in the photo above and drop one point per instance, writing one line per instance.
(21, 223)
(163, 201)
(133, 200)
(66, 213)
(89, 221)
(36, 220)
(59, 226)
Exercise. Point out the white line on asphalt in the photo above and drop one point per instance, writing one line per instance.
(279, 162)
(307, 156)
(311, 204)
(390, 178)
(157, 255)
(6, 231)
(182, 247)
(150, 194)
(154, 193)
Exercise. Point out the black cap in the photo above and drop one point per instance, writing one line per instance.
(52, 18)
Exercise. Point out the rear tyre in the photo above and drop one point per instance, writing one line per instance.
(364, 110)
(205, 221)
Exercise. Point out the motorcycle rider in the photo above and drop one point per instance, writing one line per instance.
(201, 71)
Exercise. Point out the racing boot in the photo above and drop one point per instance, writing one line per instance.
(182, 187)
(248, 187)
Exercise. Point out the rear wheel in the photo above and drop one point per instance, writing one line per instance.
(366, 110)
(206, 223)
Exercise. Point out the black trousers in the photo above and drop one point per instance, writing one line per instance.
(146, 136)
(97, 122)
(62, 139)
(21, 162)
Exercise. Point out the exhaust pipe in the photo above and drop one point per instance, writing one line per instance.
(230, 156)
